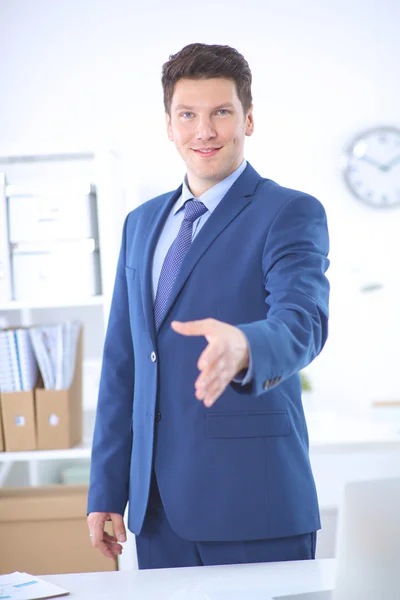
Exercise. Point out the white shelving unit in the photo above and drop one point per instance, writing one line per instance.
(103, 169)
(13, 305)
(35, 457)
(38, 461)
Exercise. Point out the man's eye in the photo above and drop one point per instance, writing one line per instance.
(186, 115)
(223, 111)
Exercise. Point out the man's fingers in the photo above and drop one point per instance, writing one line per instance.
(112, 544)
(226, 354)
(109, 539)
(211, 354)
(213, 387)
(202, 327)
(213, 393)
(105, 549)
(220, 367)
(100, 539)
(118, 526)
(107, 545)
(207, 381)
(103, 541)
(96, 527)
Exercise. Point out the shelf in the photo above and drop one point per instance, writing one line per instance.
(52, 303)
(33, 458)
(80, 451)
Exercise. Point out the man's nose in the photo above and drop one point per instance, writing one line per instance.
(205, 129)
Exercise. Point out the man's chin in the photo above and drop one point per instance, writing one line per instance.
(210, 172)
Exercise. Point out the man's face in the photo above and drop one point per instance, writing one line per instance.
(208, 126)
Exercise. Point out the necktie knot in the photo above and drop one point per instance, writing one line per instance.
(193, 210)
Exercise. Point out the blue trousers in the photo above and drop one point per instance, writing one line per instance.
(158, 546)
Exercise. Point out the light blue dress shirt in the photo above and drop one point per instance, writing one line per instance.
(211, 198)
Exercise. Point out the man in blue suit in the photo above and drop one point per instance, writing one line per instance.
(220, 299)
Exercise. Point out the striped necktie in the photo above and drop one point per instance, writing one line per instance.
(172, 262)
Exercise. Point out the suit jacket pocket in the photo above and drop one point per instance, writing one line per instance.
(247, 425)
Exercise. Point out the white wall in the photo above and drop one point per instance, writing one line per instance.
(73, 73)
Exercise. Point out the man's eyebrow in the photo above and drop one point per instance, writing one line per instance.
(185, 107)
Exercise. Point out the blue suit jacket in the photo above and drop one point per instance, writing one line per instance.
(239, 470)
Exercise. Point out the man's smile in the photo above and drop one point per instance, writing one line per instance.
(206, 152)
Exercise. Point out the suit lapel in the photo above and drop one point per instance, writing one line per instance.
(232, 204)
(155, 224)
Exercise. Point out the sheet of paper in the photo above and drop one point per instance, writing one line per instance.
(26, 358)
(55, 348)
(22, 586)
(42, 356)
(10, 380)
(71, 331)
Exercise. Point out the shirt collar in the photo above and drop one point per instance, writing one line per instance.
(212, 197)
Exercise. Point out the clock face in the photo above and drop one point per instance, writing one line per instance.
(372, 170)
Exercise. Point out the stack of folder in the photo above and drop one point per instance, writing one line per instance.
(41, 412)
(50, 349)
(18, 366)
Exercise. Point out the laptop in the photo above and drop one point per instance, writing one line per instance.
(368, 544)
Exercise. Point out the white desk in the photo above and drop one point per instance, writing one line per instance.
(236, 582)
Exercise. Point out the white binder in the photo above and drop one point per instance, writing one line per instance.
(18, 366)
(28, 367)
(5, 270)
(10, 380)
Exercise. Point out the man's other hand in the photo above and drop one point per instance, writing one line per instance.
(103, 541)
(225, 356)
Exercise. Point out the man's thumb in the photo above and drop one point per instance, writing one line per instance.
(118, 526)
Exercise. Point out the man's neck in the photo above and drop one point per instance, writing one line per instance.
(199, 186)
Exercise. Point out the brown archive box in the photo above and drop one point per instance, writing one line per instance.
(59, 412)
(44, 530)
(18, 416)
(17, 412)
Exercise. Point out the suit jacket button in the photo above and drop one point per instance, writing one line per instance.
(158, 417)
(153, 357)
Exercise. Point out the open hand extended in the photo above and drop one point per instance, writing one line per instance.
(224, 357)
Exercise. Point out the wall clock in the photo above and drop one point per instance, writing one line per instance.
(372, 167)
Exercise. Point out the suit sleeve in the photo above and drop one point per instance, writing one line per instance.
(112, 442)
(294, 262)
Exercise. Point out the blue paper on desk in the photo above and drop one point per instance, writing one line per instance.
(22, 586)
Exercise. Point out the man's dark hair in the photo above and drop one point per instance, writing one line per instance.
(202, 61)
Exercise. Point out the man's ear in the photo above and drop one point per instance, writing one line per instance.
(249, 121)
(169, 128)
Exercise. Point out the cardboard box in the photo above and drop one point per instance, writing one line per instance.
(55, 273)
(18, 415)
(44, 531)
(59, 412)
(44, 419)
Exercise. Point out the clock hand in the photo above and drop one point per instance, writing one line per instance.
(391, 163)
(373, 162)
